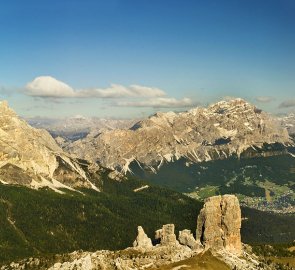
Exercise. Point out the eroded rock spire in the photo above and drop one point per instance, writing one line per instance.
(219, 224)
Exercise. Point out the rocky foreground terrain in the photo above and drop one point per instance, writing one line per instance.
(217, 238)
(222, 130)
(31, 157)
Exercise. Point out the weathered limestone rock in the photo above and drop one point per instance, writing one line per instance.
(219, 223)
(83, 263)
(231, 223)
(186, 238)
(142, 240)
(167, 235)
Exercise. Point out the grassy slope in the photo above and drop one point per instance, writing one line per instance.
(204, 261)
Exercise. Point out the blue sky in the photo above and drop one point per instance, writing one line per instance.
(195, 52)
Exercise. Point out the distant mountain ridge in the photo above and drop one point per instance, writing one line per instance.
(78, 127)
(222, 130)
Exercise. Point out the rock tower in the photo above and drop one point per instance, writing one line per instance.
(219, 224)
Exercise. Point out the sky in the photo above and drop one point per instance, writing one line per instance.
(131, 58)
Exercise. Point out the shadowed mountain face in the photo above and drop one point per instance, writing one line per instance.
(202, 134)
(31, 157)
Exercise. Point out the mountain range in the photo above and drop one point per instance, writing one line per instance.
(91, 193)
(224, 129)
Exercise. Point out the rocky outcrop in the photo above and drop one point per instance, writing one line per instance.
(167, 235)
(32, 158)
(219, 224)
(186, 238)
(223, 129)
(142, 240)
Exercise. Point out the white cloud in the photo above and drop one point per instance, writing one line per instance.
(46, 86)
(287, 103)
(147, 91)
(165, 102)
(264, 99)
(139, 96)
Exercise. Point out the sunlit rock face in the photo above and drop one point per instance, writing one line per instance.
(32, 158)
(224, 129)
(219, 224)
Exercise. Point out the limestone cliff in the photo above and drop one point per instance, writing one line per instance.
(31, 157)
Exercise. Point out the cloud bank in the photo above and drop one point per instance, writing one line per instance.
(159, 103)
(141, 96)
(264, 99)
(46, 86)
(287, 103)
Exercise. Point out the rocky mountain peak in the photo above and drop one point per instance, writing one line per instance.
(32, 158)
(233, 106)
